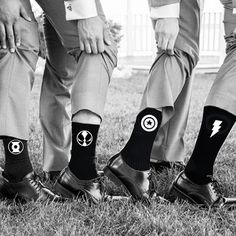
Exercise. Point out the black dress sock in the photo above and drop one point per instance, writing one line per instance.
(215, 127)
(83, 159)
(17, 162)
(137, 151)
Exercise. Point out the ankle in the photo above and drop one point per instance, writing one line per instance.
(17, 162)
(85, 169)
(197, 178)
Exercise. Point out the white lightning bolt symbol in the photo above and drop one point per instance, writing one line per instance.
(216, 127)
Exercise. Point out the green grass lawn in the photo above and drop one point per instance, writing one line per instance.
(125, 218)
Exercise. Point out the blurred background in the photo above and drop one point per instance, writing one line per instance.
(132, 27)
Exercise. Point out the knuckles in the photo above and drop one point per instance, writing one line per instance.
(165, 34)
(90, 38)
(8, 21)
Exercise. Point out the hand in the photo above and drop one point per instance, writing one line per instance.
(10, 12)
(93, 35)
(166, 32)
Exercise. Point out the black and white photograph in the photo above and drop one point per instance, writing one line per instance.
(117, 117)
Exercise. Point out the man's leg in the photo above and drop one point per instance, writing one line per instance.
(163, 89)
(17, 75)
(88, 97)
(195, 183)
(218, 119)
(168, 148)
(88, 100)
(55, 103)
(219, 112)
(169, 77)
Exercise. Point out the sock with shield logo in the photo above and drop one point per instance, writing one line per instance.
(137, 151)
(83, 159)
(17, 162)
(216, 125)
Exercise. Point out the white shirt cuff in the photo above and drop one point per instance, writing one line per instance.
(80, 9)
(167, 11)
(234, 10)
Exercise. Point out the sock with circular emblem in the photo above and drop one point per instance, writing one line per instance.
(83, 159)
(17, 162)
(137, 151)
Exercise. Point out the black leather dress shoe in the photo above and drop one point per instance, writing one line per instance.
(207, 195)
(30, 188)
(70, 187)
(136, 182)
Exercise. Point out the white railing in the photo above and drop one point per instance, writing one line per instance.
(138, 38)
(212, 46)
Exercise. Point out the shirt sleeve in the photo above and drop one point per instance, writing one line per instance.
(234, 6)
(166, 11)
(160, 3)
(80, 9)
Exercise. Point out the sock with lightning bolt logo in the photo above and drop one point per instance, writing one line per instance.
(216, 125)
(137, 151)
(83, 160)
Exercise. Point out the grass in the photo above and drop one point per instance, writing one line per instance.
(125, 218)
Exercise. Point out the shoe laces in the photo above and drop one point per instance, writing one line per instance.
(36, 183)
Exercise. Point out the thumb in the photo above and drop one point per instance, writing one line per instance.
(24, 14)
(107, 37)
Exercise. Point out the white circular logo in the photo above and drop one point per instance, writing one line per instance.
(149, 123)
(15, 147)
(84, 138)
